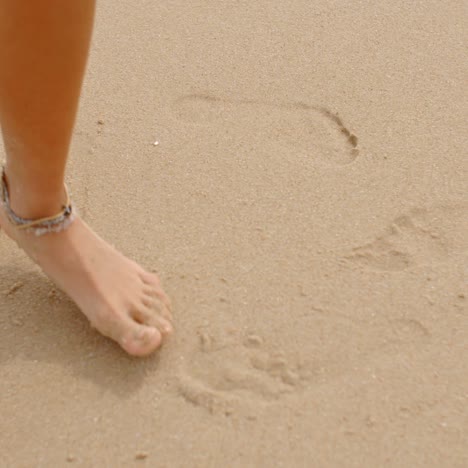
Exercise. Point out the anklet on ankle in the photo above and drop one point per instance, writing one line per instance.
(41, 226)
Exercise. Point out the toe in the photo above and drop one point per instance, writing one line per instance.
(153, 317)
(154, 287)
(157, 303)
(138, 339)
(141, 340)
(151, 279)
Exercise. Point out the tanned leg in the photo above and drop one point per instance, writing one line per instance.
(43, 52)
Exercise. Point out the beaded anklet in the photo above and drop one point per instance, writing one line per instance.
(39, 227)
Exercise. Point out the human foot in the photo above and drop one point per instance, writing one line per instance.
(120, 299)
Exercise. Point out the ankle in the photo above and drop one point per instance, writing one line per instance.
(38, 205)
(31, 201)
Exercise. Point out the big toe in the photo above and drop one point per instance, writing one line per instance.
(141, 340)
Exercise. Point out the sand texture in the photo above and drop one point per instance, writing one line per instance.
(296, 172)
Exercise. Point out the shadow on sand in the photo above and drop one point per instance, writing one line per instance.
(40, 324)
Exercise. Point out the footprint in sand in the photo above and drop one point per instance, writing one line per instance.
(312, 130)
(417, 237)
(224, 376)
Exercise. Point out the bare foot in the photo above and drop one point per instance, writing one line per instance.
(120, 299)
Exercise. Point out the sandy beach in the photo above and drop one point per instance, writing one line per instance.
(296, 173)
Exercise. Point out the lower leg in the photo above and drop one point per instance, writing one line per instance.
(43, 50)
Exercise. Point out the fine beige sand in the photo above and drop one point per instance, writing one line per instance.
(306, 208)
